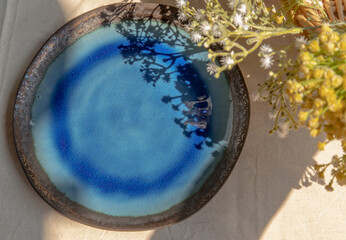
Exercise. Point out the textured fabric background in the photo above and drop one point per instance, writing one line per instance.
(266, 196)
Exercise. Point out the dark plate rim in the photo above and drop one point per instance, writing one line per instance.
(23, 138)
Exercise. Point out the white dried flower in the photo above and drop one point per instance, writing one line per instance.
(199, 15)
(255, 97)
(216, 31)
(182, 16)
(265, 49)
(266, 61)
(272, 115)
(231, 4)
(246, 27)
(180, 3)
(242, 8)
(212, 68)
(301, 40)
(238, 19)
(283, 129)
(205, 27)
(228, 61)
(196, 37)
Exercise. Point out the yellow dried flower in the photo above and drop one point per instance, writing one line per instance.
(314, 132)
(336, 81)
(318, 73)
(342, 45)
(329, 73)
(314, 46)
(336, 106)
(294, 86)
(334, 36)
(279, 20)
(313, 123)
(323, 37)
(323, 91)
(329, 47)
(303, 116)
(304, 56)
(342, 68)
(321, 145)
(317, 112)
(298, 98)
(326, 29)
(331, 97)
(318, 103)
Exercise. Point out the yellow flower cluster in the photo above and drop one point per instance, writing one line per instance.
(319, 87)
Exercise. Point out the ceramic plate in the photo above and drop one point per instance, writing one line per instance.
(118, 125)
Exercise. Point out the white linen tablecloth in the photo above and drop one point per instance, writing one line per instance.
(265, 197)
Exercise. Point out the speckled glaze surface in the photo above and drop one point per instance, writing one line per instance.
(39, 179)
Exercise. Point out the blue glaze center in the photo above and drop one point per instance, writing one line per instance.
(128, 122)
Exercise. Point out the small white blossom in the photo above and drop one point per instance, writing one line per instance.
(238, 20)
(216, 31)
(182, 16)
(283, 129)
(228, 61)
(231, 4)
(205, 27)
(246, 27)
(255, 97)
(212, 68)
(272, 115)
(196, 37)
(300, 41)
(266, 61)
(199, 15)
(180, 3)
(32, 123)
(242, 9)
(266, 49)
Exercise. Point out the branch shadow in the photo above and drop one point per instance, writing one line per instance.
(151, 43)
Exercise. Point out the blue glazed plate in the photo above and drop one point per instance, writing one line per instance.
(118, 125)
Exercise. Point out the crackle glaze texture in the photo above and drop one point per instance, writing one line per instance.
(140, 145)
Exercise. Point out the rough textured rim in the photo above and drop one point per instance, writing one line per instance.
(24, 143)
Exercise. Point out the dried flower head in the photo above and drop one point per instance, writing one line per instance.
(227, 61)
(205, 27)
(196, 37)
(212, 68)
(299, 41)
(180, 3)
(242, 8)
(266, 49)
(266, 61)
